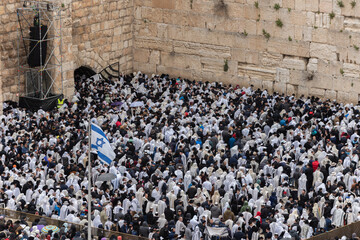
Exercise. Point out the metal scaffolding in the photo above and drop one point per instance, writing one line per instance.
(43, 76)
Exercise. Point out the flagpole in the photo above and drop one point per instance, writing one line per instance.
(89, 185)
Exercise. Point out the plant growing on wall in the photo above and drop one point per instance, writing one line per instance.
(331, 15)
(258, 19)
(290, 39)
(353, 4)
(226, 66)
(340, 4)
(62, 5)
(279, 23)
(266, 34)
(356, 47)
(341, 71)
(277, 6)
(244, 33)
(191, 3)
(256, 4)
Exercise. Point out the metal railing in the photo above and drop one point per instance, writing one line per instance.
(95, 232)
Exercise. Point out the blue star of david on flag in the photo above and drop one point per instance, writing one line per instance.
(100, 142)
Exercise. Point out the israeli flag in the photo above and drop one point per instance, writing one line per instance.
(101, 144)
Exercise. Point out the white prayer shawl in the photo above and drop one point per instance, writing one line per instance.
(187, 180)
(161, 221)
(179, 226)
(161, 207)
(29, 193)
(316, 211)
(196, 234)
(96, 222)
(172, 198)
(247, 217)
(302, 183)
(11, 204)
(338, 217)
(63, 212)
(350, 217)
(156, 194)
(126, 204)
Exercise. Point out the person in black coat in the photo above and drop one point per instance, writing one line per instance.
(169, 214)
(309, 176)
(144, 230)
(150, 217)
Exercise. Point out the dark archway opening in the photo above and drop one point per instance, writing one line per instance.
(83, 72)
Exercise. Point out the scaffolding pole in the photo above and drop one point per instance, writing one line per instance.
(43, 78)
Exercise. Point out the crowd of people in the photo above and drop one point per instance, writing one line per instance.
(194, 160)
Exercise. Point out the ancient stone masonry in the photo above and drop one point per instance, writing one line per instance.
(308, 47)
(301, 47)
(96, 33)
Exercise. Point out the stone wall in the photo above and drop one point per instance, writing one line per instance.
(95, 33)
(314, 52)
(301, 47)
(8, 50)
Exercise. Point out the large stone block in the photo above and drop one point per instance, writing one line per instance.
(288, 4)
(317, 92)
(163, 4)
(312, 65)
(320, 35)
(271, 59)
(323, 51)
(238, 54)
(330, 94)
(180, 61)
(342, 96)
(282, 75)
(300, 5)
(291, 89)
(341, 83)
(303, 91)
(311, 5)
(294, 63)
(326, 6)
(154, 57)
(298, 18)
(293, 48)
(204, 50)
(279, 87)
(268, 85)
(298, 77)
(319, 80)
(351, 70)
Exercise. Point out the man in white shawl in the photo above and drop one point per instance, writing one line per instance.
(338, 217)
(179, 226)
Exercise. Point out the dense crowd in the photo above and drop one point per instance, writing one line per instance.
(194, 160)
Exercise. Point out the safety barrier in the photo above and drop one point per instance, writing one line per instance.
(347, 231)
(95, 232)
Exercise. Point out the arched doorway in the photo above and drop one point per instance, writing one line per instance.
(83, 72)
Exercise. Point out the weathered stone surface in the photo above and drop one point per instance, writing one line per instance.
(351, 70)
(317, 92)
(323, 51)
(193, 39)
(294, 63)
(282, 75)
(330, 94)
(312, 65)
(326, 6)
